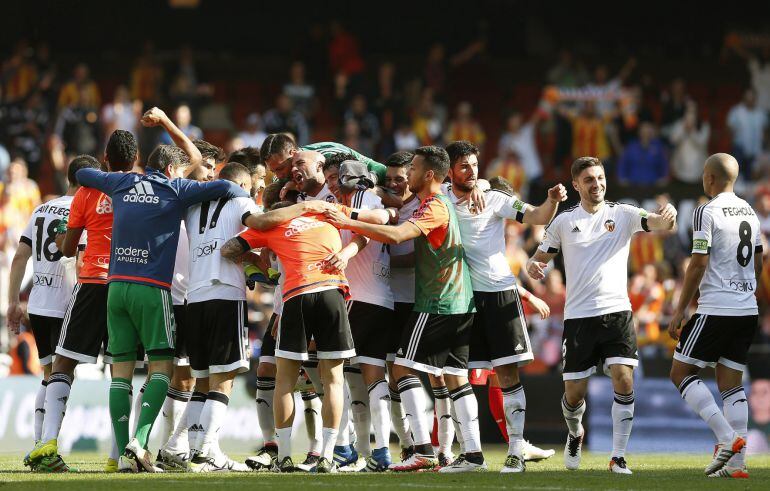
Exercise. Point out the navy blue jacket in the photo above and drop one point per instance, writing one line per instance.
(147, 212)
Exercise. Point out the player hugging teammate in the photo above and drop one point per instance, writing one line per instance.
(386, 272)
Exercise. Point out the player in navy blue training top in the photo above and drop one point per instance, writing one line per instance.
(147, 212)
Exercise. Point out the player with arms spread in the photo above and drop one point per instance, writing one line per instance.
(594, 237)
(726, 262)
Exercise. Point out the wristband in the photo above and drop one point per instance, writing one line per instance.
(354, 215)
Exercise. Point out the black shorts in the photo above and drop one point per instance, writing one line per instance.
(436, 343)
(46, 331)
(499, 335)
(217, 337)
(370, 325)
(267, 353)
(84, 330)
(180, 349)
(321, 316)
(401, 313)
(710, 339)
(608, 338)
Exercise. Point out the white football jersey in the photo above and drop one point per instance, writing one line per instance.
(727, 229)
(209, 225)
(368, 273)
(278, 293)
(53, 276)
(483, 237)
(180, 281)
(402, 279)
(323, 195)
(595, 248)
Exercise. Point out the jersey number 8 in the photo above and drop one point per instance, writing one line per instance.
(744, 233)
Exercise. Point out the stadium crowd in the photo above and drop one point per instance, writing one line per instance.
(651, 134)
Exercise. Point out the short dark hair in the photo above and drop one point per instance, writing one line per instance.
(80, 162)
(272, 193)
(166, 155)
(275, 143)
(248, 156)
(436, 158)
(460, 149)
(336, 160)
(582, 163)
(121, 149)
(209, 151)
(233, 170)
(280, 204)
(499, 183)
(399, 159)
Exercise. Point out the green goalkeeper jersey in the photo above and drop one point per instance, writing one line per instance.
(333, 148)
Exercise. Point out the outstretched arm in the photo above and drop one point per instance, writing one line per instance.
(386, 234)
(543, 214)
(665, 219)
(156, 117)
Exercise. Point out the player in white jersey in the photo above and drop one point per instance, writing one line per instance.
(370, 312)
(53, 278)
(499, 338)
(217, 337)
(181, 402)
(726, 262)
(594, 237)
(402, 286)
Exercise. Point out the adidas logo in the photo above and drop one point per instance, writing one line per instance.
(400, 352)
(576, 229)
(195, 427)
(123, 419)
(519, 347)
(104, 207)
(262, 401)
(141, 193)
(63, 400)
(145, 404)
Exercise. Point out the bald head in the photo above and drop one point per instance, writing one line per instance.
(723, 167)
(306, 171)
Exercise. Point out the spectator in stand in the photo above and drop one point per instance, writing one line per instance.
(429, 119)
(146, 77)
(20, 197)
(508, 166)
(351, 137)
(435, 68)
(252, 135)
(368, 125)
(647, 296)
(19, 75)
(25, 126)
(674, 104)
(344, 53)
(183, 120)
(465, 127)
(567, 72)
(689, 138)
(78, 122)
(122, 113)
(759, 71)
(301, 93)
(404, 137)
(340, 95)
(519, 139)
(589, 133)
(747, 123)
(644, 159)
(388, 102)
(81, 91)
(607, 89)
(283, 118)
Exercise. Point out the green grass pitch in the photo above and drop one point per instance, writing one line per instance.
(659, 471)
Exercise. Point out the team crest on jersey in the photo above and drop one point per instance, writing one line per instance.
(104, 206)
(609, 225)
(330, 198)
